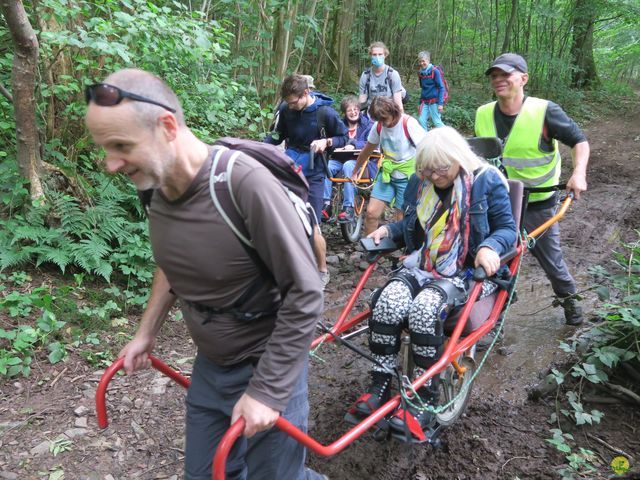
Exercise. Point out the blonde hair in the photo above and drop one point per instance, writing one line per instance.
(378, 45)
(444, 146)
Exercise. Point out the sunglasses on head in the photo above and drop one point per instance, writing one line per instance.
(106, 95)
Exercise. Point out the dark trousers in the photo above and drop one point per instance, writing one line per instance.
(548, 252)
(269, 455)
(316, 193)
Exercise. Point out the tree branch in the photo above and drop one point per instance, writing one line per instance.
(607, 19)
(6, 93)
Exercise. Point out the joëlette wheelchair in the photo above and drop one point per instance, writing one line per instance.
(363, 184)
(457, 365)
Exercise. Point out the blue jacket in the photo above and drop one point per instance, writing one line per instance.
(431, 88)
(491, 221)
(362, 131)
(300, 127)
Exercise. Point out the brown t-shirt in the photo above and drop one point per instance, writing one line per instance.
(205, 263)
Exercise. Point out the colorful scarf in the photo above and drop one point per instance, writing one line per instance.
(446, 227)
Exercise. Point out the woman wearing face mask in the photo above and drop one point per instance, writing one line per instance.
(460, 218)
(380, 80)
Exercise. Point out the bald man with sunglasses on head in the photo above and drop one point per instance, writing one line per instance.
(252, 354)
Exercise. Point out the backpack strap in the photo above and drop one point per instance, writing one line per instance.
(390, 70)
(405, 128)
(221, 193)
(321, 118)
(405, 121)
(367, 72)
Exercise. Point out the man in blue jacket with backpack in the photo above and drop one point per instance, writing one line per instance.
(310, 127)
(432, 94)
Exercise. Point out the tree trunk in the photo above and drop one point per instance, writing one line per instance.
(341, 38)
(25, 63)
(506, 44)
(584, 74)
(301, 54)
(285, 21)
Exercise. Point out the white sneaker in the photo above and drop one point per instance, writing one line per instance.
(325, 277)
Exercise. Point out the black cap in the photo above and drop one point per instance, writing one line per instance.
(509, 62)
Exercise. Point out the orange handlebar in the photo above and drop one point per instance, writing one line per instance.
(563, 209)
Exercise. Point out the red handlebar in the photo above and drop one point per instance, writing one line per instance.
(101, 407)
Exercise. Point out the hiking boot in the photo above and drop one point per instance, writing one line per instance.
(310, 474)
(325, 277)
(416, 420)
(572, 310)
(485, 342)
(327, 213)
(376, 396)
(347, 215)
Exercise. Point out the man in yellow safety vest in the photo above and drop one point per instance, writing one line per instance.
(530, 129)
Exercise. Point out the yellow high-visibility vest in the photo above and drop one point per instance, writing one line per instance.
(521, 156)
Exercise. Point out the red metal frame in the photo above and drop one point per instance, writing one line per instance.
(454, 348)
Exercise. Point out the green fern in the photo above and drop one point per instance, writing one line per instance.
(14, 258)
(72, 216)
(58, 256)
(108, 235)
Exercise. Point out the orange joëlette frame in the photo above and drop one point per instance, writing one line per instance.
(454, 348)
(359, 179)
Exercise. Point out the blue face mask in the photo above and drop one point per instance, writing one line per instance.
(377, 61)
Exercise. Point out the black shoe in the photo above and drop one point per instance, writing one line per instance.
(376, 396)
(347, 215)
(572, 310)
(415, 420)
(485, 342)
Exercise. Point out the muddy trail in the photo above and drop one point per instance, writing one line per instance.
(501, 435)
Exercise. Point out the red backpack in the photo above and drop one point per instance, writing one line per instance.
(444, 80)
(405, 120)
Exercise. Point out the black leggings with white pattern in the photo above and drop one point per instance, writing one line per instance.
(396, 304)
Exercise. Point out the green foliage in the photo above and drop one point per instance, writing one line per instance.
(183, 47)
(99, 238)
(38, 330)
(600, 350)
(18, 345)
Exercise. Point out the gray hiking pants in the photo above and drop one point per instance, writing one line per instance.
(548, 252)
(268, 455)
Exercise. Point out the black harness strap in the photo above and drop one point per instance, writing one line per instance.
(384, 328)
(426, 339)
(453, 296)
(423, 362)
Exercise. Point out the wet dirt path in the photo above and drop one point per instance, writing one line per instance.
(502, 435)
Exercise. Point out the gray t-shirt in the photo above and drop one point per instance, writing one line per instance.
(205, 263)
(374, 85)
